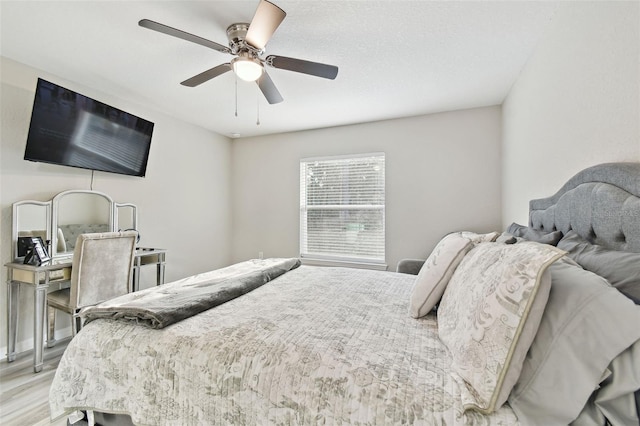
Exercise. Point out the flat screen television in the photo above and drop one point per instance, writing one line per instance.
(71, 129)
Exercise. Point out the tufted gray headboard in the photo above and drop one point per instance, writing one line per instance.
(71, 232)
(600, 203)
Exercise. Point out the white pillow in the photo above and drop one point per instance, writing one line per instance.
(436, 272)
(489, 315)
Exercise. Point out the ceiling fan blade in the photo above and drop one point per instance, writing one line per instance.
(203, 77)
(306, 67)
(156, 26)
(266, 20)
(269, 89)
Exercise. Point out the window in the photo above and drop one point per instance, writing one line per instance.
(342, 208)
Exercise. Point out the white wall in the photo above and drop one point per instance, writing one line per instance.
(442, 175)
(183, 202)
(576, 103)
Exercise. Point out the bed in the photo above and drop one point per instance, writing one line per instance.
(530, 342)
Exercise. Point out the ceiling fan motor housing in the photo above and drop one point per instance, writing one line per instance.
(236, 34)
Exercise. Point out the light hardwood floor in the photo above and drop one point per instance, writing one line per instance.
(24, 395)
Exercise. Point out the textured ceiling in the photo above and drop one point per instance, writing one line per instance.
(396, 58)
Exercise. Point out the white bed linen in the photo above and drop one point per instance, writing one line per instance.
(314, 346)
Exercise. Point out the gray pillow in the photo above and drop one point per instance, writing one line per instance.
(586, 324)
(620, 268)
(531, 234)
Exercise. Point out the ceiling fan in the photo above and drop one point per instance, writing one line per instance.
(247, 42)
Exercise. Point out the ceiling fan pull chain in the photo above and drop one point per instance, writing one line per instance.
(236, 96)
(257, 108)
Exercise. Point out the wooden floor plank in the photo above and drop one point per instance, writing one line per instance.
(24, 395)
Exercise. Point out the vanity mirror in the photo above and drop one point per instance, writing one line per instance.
(67, 215)
(30, 219)
(78, 212)
(126, 217)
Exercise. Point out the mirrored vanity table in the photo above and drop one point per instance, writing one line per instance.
(60, 221)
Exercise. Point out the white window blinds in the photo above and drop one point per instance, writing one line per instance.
(342, 204)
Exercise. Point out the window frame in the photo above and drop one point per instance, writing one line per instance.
(332, 259)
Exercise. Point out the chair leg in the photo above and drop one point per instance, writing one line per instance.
(76, 324)
(51, 326)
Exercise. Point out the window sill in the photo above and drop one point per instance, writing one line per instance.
(343, 263)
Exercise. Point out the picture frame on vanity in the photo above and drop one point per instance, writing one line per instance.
(37, 253)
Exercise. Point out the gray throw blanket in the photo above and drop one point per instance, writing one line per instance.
(161, 306)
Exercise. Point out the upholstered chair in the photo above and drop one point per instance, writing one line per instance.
(102, 268)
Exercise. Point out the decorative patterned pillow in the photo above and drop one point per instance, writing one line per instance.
(487, 317)
(436, 272)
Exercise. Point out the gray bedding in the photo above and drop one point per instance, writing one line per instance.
(600, 205)
(158, 307)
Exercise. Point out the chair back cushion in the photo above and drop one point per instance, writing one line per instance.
(102, 267)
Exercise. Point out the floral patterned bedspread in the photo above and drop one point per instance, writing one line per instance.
(332, 346)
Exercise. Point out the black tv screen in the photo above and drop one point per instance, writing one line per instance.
(71, 129)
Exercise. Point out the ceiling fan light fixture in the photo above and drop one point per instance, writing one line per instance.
(247, 41)
(247, 68)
